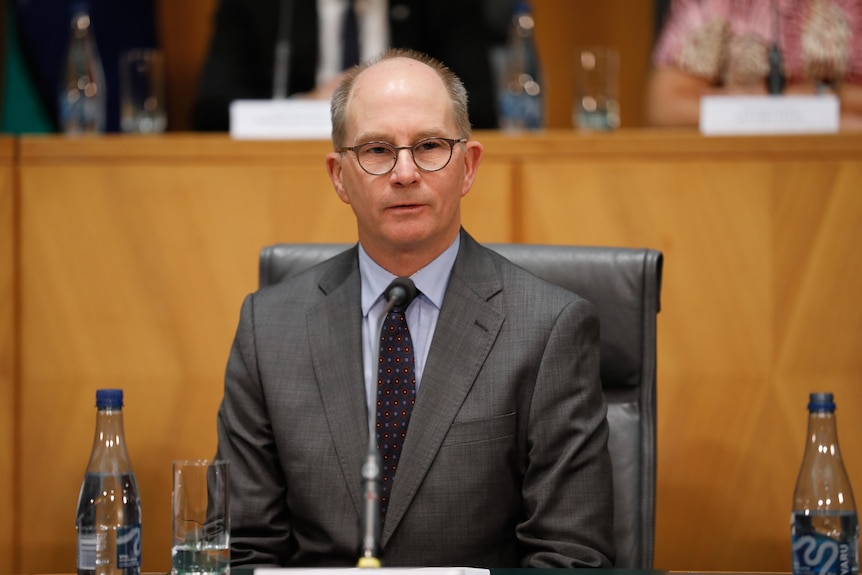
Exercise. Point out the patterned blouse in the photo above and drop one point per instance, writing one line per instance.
(728, 41)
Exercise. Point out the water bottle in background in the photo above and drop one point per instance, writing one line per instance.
(109, 509)
(82, 100)
(824, 524)
(520, 94)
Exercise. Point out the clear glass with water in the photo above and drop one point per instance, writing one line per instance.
(201, 518)
(596, 107)
(142, 92)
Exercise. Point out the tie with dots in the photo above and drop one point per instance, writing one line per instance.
(396, 394)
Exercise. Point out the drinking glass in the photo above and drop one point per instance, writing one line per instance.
(142, 92)
(201, 518)
(596, 89)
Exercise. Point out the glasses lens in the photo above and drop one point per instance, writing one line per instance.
(432, 154)
(376, 157)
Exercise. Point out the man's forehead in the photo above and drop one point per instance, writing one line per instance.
(385, 89)
(398, 75)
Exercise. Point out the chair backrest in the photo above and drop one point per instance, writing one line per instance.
(624, 284)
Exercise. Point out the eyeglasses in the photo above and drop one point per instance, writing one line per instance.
(379, 158)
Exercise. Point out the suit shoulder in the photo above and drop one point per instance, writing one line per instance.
(312, 283)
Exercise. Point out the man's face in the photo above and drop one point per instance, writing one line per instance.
(401, 101)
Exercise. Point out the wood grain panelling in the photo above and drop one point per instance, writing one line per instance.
(136, 253)
(759, 307)
(8, 415)
(185, 28)
(136, 256)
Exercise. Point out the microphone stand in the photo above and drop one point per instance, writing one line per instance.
(775, 78)
(371, 480)
(400, 292)
(282, 50)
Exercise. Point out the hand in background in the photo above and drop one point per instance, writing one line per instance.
(324, 90)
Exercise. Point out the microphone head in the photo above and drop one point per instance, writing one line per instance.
(401, 291)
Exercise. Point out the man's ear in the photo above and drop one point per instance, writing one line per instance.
(333, 168)
(473, 152)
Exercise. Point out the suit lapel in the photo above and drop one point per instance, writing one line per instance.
(465, 332)
(334, 328)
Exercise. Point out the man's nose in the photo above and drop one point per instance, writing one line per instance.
(405, 167)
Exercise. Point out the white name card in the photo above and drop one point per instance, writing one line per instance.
(759, 115)
(381, 571)
(280, 120)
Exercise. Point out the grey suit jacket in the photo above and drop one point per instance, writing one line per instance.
(505, 462)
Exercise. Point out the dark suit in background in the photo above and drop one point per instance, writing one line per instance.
(240, 61)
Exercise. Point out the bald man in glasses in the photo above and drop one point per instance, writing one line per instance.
(502, 456)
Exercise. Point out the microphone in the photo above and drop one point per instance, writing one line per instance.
(282, 51)
(775, 78)
(400, 292)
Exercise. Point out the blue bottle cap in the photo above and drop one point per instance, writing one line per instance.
(821, 402)
(106, 398)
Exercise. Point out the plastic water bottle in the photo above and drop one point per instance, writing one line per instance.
(109, 509)
(824, 524)
(520, 92)
(82, 99)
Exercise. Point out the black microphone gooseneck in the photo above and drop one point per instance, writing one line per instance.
(400, 292)
(281, 65)
(775, 79)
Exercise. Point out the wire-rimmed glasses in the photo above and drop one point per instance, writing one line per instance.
(429, 154)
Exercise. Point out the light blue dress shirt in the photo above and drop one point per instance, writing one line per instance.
(422, 313)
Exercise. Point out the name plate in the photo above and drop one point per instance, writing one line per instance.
(760, 115)
(280, 120)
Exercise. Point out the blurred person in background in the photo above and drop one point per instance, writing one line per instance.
(715, 47)
(241, 58)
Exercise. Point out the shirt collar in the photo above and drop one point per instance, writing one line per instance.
(431, 281)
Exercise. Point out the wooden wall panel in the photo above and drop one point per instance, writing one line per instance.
(184, 32)
(136, 256)
(136, 253)
(8, 358)
(759, 307)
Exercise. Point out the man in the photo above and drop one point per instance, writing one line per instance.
(504, 461)
(239, 64)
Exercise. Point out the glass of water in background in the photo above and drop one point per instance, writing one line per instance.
(142, 92)
(596, 105)
(201, 518)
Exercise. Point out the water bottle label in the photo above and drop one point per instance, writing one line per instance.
(87, 544)
(129, 546)
(817, 554)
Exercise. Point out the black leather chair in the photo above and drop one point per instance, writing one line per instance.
(625, 285)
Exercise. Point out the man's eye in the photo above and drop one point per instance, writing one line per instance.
(428, 145)
(376, 150)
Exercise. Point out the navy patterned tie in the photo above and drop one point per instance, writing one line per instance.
(396, 394)
(349, 37)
